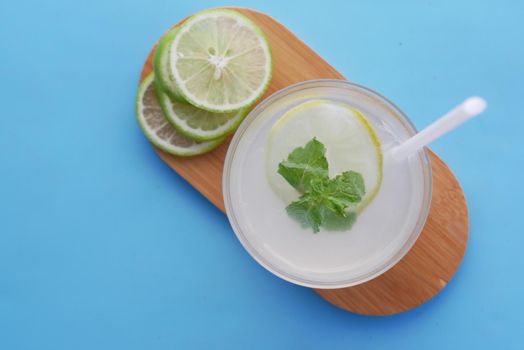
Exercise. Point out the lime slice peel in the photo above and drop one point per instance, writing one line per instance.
(158, 130)
(162, 68)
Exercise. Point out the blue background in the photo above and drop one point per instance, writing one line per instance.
(102, 246)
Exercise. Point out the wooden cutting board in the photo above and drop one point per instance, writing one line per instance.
(436, 255)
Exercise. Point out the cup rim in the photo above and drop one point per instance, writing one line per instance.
(423, 159)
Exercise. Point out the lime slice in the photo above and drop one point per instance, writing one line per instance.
(161, 65)
(157, 128)
(351, 144)
(190, 121)
(220, 61)
(197, 123)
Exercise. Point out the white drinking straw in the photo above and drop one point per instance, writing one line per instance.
(468, 109)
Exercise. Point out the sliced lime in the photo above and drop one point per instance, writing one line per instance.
(157, 128)
(197, 123)
(220, 61)
(190, 121)
(161, 65)
(350, 141)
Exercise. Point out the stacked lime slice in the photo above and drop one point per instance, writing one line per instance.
(208, 72)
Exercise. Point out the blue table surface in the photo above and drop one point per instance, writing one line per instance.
(102, 246)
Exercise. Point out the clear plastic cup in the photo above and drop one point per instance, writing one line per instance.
(383, 233)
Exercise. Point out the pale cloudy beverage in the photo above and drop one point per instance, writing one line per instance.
(325, 129)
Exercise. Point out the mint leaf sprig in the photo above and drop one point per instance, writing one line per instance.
(304, 165)
(323, 200)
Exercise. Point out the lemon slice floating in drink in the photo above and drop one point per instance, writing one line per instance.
(349, 138)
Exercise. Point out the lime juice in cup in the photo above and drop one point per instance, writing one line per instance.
(355, 126)
(327, 184)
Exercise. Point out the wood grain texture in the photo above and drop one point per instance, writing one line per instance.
(427, 267)
(436, 255)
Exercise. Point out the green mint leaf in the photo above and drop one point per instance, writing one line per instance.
(334, 222)
(345, 190)
(325, 201)
(305, 164)
(307, 211)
